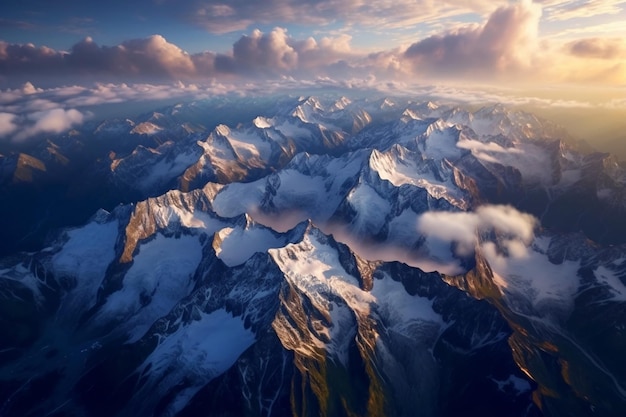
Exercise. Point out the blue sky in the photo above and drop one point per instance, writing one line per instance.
(60, 24)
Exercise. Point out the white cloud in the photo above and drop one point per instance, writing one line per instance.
(442, 229)
(508, 220)
(56, 120)
(50, 121)
(505, 44)
(263, 51)
(451, 227)
(29, 88)
(7, 125)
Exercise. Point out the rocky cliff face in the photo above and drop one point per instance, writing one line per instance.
(551, 306)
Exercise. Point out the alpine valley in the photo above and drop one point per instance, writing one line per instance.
(313, 256)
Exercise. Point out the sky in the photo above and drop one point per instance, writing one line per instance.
(548, 53)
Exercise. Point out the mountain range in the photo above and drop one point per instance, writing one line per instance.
(313, 256)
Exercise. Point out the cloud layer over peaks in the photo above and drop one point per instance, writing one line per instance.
(49, 121)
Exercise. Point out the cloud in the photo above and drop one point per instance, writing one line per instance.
(15, 101)
(29, 89)
(580, 9)
(235, 15)
(442, 229)
(149, 58)
(155, 59)
(7, 125)
(28, 111)
(505, 47)
(448, 227)
(265, 51)
(19, 24)
(15, 58)
(603, 48)
(618, 103)
(277, 53)
(486, 151)
(18, 105)
(50, 121)
(55, 120)
(504, 44)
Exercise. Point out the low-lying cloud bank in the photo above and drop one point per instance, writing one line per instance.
(48, 121)
(26, 112)
(29, 111)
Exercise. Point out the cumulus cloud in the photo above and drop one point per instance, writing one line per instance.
(156, 59)
(278, 53)
(51, 121)
(463, 230)
(15, 58)
(265, 51)
(149, 56)
(152, 57)
(29, 89)
(505, 43)
(603, 48)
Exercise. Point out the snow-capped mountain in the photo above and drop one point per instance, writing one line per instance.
(325, 256)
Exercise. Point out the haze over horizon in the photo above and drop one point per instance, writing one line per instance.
(561, 59)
